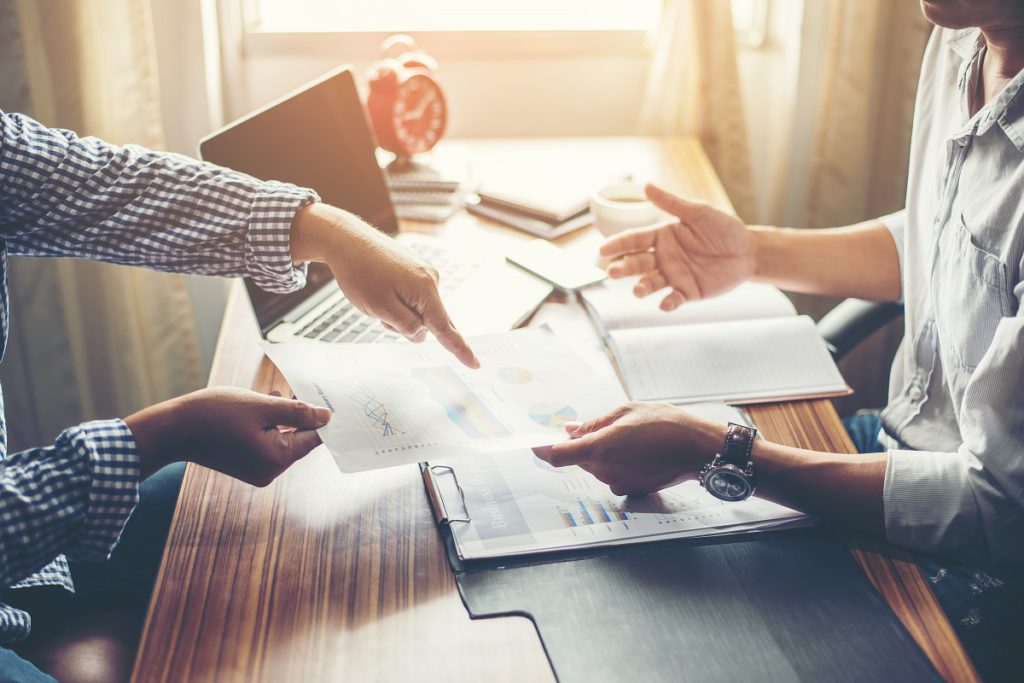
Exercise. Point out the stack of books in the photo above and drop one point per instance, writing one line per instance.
(422, 193)
(547, 220)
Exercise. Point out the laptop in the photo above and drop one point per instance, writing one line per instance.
(319, 137)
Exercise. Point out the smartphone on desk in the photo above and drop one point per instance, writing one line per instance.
(553, 264)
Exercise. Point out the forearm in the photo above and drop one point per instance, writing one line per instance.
(839, 488)
(853, 261)
(73, 497)
(836, 487)
(319, 229)
(64, 195)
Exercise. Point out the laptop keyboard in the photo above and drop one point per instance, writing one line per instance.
(342, 322)
(453, 271)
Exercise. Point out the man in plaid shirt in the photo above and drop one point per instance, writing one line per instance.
(63, 507)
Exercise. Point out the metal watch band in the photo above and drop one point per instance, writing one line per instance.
(739, 440)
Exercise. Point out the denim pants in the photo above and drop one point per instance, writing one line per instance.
(124, 581)
(986, 612)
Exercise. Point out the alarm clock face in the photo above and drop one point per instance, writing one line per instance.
(419, 114)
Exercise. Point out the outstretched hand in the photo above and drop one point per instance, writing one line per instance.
(704, 253)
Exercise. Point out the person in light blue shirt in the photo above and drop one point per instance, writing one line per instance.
(942, 470)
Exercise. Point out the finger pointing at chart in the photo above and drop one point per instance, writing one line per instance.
(379, 276)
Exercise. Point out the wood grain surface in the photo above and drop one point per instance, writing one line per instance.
(324, 576)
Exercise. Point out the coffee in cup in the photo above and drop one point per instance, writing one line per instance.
(621, 206)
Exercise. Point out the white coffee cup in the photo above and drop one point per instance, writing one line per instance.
(621, 206)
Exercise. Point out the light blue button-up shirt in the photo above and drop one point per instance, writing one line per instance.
(954, 425)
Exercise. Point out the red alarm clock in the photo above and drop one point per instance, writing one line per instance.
(406, 105)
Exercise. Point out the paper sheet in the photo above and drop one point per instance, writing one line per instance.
(403, 403)
(519, 504)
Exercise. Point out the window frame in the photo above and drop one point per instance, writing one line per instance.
(449, 45)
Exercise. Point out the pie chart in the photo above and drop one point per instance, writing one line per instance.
(552, 415)
(515, 375)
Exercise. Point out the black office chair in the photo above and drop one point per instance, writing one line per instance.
(853, 321)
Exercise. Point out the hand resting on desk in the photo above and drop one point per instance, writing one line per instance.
(666, 446)
(640, 448)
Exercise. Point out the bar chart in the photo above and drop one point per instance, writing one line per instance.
(590, 511)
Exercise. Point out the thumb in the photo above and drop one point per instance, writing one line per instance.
(567, 452)
(298, 444)
(677, 206)
(292, 413)
(579, 429)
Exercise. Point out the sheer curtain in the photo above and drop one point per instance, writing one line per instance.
(872, 58)
(694, 89)
(87, 339)
(857, 168)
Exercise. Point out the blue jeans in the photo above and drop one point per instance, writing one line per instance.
(986, 612)
(124, 581)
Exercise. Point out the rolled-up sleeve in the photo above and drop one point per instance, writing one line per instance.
(65, 195)
(71, 498)
(896, 224)
(970, 503)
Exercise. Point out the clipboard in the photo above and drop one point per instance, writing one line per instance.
(789, 605)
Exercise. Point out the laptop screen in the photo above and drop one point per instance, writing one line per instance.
(317, 137)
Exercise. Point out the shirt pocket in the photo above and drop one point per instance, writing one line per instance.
(971, 297)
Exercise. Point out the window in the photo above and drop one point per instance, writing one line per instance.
(750, 20)
(359, 16)
(509, 67)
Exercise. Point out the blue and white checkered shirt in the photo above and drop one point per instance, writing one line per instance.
(62, 195)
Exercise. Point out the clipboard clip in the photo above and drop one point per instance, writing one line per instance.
(430, 474)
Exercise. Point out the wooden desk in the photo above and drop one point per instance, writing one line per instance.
(324, 576)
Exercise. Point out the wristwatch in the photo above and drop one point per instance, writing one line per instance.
(730, 475)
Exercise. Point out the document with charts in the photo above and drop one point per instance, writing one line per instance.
(516, 504)
(403, 403)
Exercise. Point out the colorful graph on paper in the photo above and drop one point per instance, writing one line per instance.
(460, 403)
(552, 415)
(515, 375)
(375, 411)
(589, 511)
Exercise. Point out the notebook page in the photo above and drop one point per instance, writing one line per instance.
(726, 361)
(614, 306)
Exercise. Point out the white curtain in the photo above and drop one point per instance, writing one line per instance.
(693, 89)
(90, 340)
(870, 62)
(872, 58)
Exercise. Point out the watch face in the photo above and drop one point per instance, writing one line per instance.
(728, 485)
(419, 114)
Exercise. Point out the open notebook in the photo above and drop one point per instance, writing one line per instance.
(745, 346)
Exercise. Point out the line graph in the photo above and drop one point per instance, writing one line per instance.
(375, 411)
